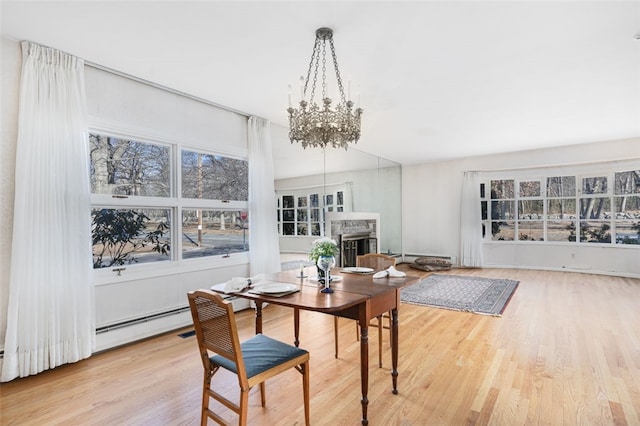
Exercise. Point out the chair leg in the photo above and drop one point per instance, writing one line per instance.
(244, 407)
(390, 329)
(263, 394)
(335, 334)
(205, 399)
(305, 392)
(379, 341)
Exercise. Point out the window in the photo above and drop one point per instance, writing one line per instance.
(149, 207)
(599, 208)
(561, 208)
(595, 210)
(301, 212)
(626, 204)
(216, 180)
(213, 177)
(530, 223)
(122, 167)
(503, 210)
(208, 232)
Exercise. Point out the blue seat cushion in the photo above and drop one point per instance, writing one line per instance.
(260, 353)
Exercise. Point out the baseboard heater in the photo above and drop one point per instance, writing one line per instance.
(147, 318)
(128, 323)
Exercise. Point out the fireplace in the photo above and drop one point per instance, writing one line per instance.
(356, 233)
(354, 245)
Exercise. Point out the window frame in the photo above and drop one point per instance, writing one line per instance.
(323, 194)
(607, 218)
(174, 202)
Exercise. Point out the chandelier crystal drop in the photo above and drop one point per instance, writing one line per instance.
(322, 125)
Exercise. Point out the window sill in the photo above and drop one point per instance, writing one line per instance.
(106, 276)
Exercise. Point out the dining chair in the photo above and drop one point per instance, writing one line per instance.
(253, 361)
(377, 262)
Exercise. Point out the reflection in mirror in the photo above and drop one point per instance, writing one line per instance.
(341, 181)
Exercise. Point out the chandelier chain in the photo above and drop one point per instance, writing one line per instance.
(324, 69)
(338, 78)
(311, 62)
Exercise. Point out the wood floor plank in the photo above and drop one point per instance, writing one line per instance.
(565, 351)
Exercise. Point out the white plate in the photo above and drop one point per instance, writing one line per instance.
(275, 288)
(358, 270)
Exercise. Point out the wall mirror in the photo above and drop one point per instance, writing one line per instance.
(352, 181)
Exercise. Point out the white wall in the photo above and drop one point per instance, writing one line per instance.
(134, 107)
(431, 211)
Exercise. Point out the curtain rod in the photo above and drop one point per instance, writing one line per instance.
(593, 163)
(165, 88)
(149, 83)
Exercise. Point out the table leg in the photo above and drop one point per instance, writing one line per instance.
(364, 364)
(296, 326)
(394, 349)
(258, 317)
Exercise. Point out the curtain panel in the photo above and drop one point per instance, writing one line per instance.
(264, 246)
(50, 319)
(471, 222)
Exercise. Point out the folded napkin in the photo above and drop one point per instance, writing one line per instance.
(394, 273)
(381, 274)
(390, 272)
(236, 284)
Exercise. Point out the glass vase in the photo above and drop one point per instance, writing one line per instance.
(325, 263)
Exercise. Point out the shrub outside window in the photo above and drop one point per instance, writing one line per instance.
(126, 236)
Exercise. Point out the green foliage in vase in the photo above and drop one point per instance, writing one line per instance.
(323, 247)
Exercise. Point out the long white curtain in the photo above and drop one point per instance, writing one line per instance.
(264, 245)
(50, 317)
(471, 222)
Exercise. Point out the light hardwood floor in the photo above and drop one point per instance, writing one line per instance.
(565, 352)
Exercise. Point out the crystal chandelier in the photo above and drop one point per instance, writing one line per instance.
(321, 125)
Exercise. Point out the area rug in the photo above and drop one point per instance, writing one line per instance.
(486, 296)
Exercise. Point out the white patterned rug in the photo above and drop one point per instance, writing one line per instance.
(486, 296)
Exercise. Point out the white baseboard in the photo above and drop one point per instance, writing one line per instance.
(564, 269)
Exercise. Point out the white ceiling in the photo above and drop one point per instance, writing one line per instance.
(438, 80)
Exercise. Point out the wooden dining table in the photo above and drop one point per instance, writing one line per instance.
(355, 296)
